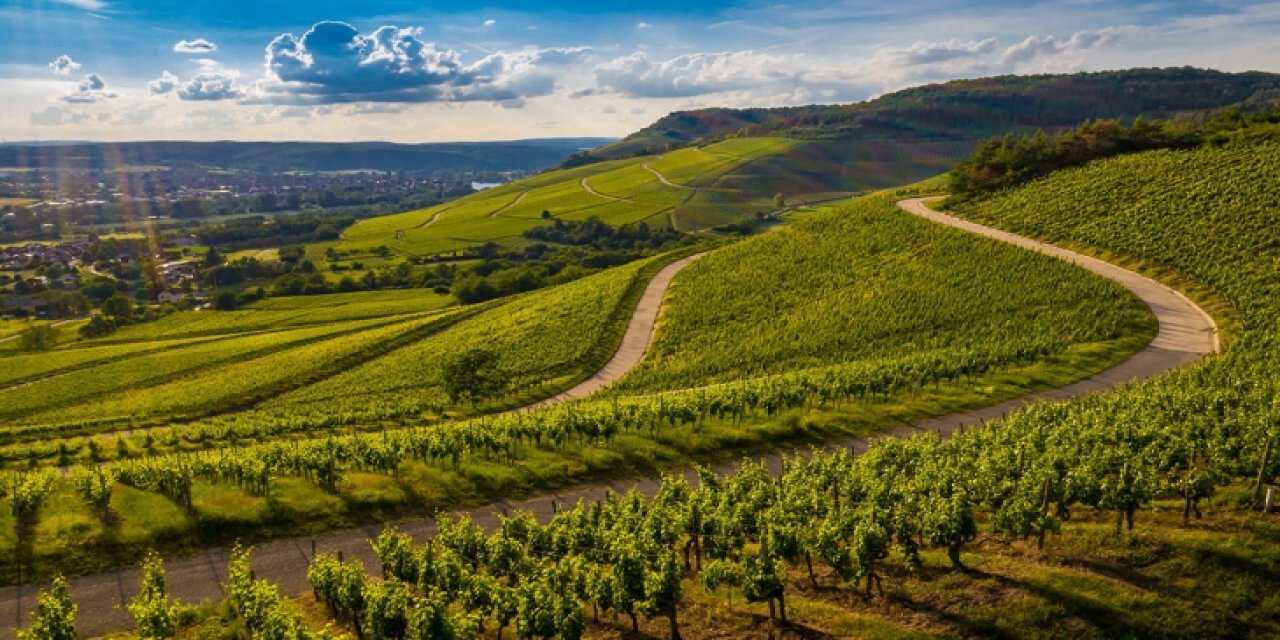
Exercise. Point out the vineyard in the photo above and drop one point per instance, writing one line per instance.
(1083, 517)
(1110, 515)
(617, 192)
(767, 306)
(349, 422)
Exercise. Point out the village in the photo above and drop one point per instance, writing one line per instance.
(58, 280)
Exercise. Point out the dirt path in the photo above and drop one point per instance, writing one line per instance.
(640, 334)
(1186, 335)
(663, 179)
(587, 187)
(509, 205)
(55, 325)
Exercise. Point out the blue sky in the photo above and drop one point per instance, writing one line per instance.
(424, 71)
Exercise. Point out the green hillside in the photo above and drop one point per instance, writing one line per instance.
(306, 421)
(1112, 515)
(1124, 514)
(702, 189)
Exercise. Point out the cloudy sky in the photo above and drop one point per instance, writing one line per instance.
(434, 71)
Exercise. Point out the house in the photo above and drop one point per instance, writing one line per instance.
(69, 280)
(185, 241)
(170, 296)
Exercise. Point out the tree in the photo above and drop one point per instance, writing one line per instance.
(473, 376)
(226, 301)
(779, 201)
(152, 611)
(213, 258)
(38, 337)
(55, 614)
(119, 308)
(97, 327)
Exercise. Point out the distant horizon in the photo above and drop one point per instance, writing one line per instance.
(386, 70)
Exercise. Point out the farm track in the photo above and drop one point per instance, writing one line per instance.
(56, 324)
(509, 205)
(1186, 335)
(663, 179)
(586, 186)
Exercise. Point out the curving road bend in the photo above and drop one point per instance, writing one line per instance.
(639, 336)
(586, 186)
(509, 205)
(1184, 327)
(1186, 335)
(663, 179)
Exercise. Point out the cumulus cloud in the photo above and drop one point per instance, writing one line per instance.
(199, 45)
(334, 63)
(490, 22)
(935, 52)
(934, 61)
(210, 85)
(92, 89)
(694, 74)
(63, 65)
(1036, 47)
(163, 85)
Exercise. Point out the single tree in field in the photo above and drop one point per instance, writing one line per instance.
(38, 337)
(473, 376)
(226, 301)
(55, 614)
(119, 307)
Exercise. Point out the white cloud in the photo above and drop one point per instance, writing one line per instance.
(199, 45)
(934, 52)
(210, 85)
(757, 74)
(63, 65)
(165, 84)
(490, 22)
(334, 63)
(1040, 47)
(92, 89)
(643, 25)
(88, 5)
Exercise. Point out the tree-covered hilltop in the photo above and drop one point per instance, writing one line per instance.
(1013, 159)
(960, 110)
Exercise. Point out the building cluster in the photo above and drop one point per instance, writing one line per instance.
(31, 255)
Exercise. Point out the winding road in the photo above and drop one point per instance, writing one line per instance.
(586, 186)
(640, 334)
(1186, 334)
(508, 205)
(663, 179)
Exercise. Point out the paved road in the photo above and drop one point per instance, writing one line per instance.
(1186, 335)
